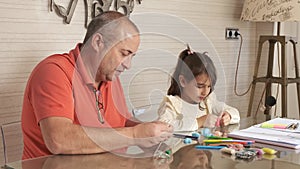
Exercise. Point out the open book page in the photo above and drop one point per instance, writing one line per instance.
(282, 121)
(279, 137)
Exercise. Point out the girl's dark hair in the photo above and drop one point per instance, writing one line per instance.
(191, 64)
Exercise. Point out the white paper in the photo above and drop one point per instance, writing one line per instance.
(280, 137)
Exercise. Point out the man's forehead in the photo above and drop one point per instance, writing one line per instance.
(130, 43)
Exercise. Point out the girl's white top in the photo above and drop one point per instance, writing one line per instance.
(183, 115)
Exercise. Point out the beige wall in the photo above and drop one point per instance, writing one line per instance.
(29, 32)
(291, 29)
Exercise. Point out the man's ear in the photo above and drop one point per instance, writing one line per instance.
(97, 41)
(182, 81)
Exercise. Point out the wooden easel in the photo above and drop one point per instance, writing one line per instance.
(283, 80)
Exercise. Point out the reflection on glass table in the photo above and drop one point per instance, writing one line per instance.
(182, 156)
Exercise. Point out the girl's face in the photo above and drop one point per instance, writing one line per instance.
(195, 90)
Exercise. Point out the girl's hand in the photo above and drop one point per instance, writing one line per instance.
(210, 121)
(225, 119)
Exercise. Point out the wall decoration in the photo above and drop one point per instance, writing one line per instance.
(92, 8)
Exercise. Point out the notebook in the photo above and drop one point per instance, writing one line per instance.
(289, 138)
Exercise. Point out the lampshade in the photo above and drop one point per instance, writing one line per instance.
(271, 10)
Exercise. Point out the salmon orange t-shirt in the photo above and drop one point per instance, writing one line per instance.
(60, 87)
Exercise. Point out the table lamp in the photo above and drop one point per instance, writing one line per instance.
(274, 11)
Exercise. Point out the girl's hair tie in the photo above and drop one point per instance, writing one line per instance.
(189, 51)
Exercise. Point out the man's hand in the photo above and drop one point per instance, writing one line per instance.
(151, 133)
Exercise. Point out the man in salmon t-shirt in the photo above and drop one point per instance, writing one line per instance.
(74, 102)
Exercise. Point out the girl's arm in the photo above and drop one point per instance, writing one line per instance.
(166, 112)
(201, 121)
(232, 113)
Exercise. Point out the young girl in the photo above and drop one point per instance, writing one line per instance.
(191, 103)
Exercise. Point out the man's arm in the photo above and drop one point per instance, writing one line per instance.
(61, 136)
(132, 122)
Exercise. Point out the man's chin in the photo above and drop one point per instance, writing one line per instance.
(114, 77)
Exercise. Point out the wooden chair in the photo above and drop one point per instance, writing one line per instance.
(12, 140)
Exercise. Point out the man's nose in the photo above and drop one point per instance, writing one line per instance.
(127, 62)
